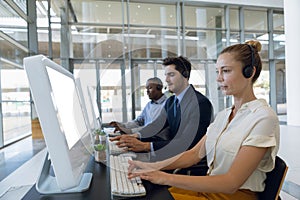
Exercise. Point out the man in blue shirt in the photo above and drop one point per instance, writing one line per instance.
(152, 109)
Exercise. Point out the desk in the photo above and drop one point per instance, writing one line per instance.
(100, 188)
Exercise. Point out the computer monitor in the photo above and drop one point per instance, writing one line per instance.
(64, 125)
(84, 104)
(93, 116)
(97, 120)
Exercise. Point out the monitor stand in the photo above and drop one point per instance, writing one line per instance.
(46, 183)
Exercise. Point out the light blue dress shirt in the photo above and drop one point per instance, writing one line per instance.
(149, 113)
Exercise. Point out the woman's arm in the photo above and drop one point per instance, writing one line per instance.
(183, 160)
(186, 159)
(243, 166)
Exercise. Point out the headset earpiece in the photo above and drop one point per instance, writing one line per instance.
(185, 73)
(159, 87)
(248, 69)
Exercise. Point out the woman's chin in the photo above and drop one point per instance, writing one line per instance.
(225, 92)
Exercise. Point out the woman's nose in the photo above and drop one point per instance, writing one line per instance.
(219, 76)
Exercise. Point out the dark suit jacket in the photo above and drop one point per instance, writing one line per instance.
(196, 115)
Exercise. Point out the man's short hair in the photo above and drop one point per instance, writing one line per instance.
(156, 81)
(182, 64)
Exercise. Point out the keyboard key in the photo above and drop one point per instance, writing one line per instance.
(114, 149)
(120, 184)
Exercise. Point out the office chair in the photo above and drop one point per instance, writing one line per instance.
(199, 169)
(274, 181)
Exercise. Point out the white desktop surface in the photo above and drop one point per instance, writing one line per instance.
(18, 183)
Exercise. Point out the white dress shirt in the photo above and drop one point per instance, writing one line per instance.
(255, 124)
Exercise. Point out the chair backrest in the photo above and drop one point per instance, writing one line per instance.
(274, 181)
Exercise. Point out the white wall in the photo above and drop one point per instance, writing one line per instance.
(292, 43)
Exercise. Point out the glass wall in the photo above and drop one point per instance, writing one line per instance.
(279, 57)
(15, 107)
(115, 46)
(16, 110)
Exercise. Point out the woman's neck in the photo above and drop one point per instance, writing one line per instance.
(239, 101)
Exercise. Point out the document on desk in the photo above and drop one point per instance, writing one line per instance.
(18, 183)
(14, 192)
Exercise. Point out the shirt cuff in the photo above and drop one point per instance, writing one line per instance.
(152, 149)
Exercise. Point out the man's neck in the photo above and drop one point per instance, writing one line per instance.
(183, 89)
(158, 97)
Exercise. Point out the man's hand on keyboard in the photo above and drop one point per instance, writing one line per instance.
(117, 138)
(120, 127)
(133, 144)
(124, 130)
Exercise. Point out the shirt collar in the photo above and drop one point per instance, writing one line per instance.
(252, 105)
(160, 100)
(181, 95)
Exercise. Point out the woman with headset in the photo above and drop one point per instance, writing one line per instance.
(240, 145)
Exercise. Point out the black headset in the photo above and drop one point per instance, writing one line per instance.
(185, 73)
(248, 69)
(159, 87)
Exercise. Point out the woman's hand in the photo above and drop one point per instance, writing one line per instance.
(147, 172)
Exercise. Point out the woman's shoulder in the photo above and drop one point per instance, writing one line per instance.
(263, 108)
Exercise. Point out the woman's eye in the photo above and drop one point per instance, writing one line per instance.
(222, 71)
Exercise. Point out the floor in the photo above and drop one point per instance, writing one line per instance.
(17, 154)
(289, 150)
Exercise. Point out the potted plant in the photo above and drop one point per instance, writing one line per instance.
(100, 152)
(100, 136)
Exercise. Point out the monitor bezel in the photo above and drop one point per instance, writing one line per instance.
(65, 177)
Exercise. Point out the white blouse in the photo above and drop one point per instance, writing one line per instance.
(255, 124)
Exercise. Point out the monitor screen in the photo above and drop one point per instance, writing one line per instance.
(95, 114)
(63, 122)
(69, 111)
(89, 100)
